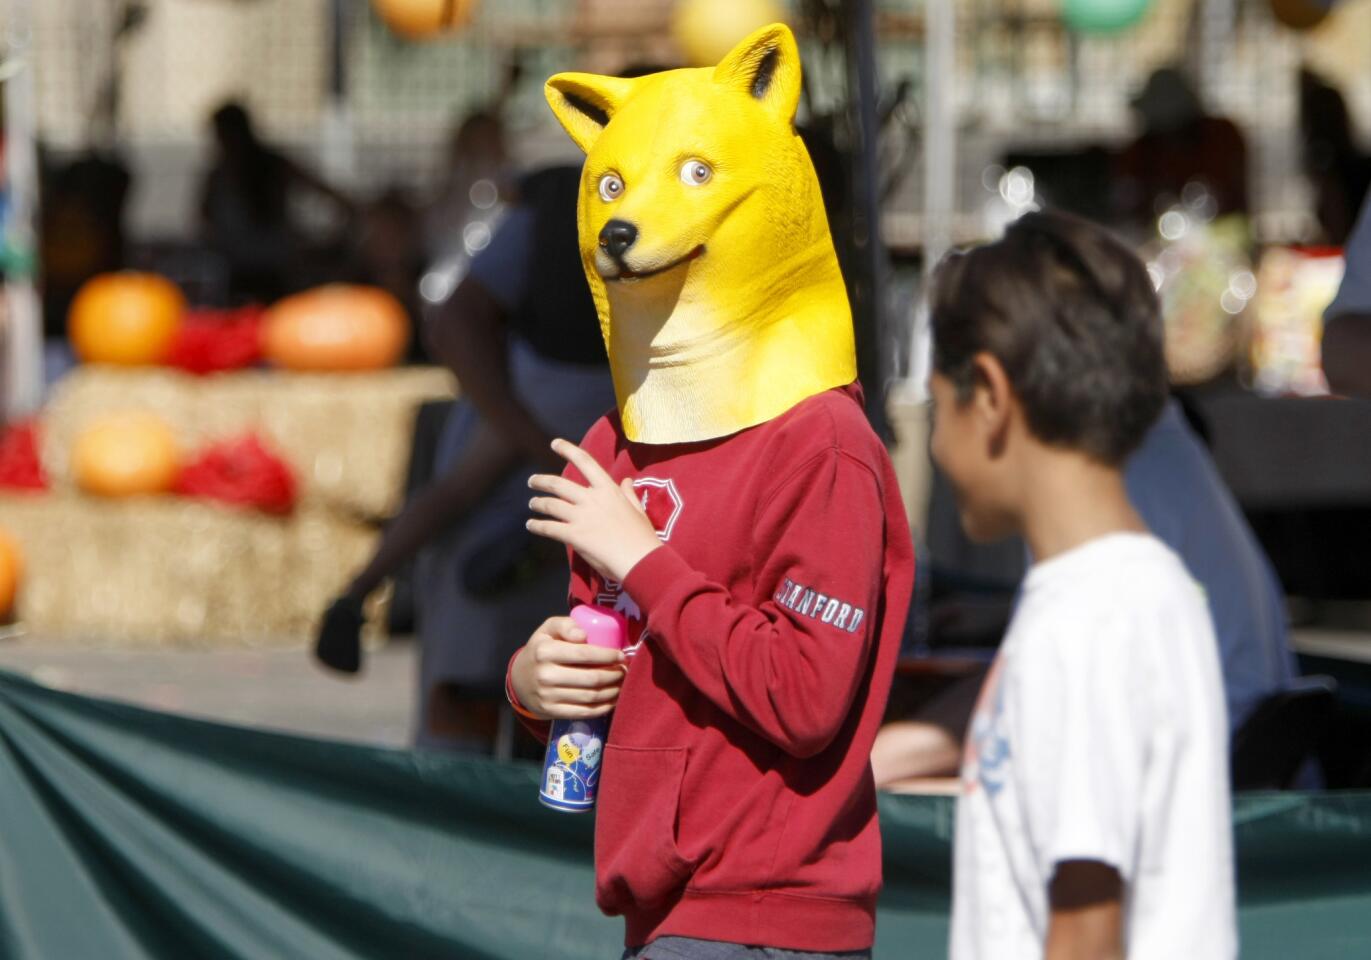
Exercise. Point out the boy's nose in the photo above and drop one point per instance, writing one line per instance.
(617, 236)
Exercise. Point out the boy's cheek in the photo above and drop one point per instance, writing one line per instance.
(939, 438)
(949, 466)
(968, 510)
(949, 448)
(954, 454)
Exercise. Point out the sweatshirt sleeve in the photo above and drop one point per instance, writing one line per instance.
(789, 664)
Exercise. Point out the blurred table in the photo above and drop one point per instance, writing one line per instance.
(1301, 470)
(938, 662)
(1290, 453)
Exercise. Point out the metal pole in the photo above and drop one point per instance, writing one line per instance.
(1217, 25)
(940, 169)
(869, 262)
(339, 158)
(22, 316)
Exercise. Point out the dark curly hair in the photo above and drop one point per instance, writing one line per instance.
(1070, 313)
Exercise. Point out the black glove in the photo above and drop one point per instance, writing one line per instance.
(340, 636)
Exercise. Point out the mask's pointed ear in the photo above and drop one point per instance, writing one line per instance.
(585, 102)
(765, 66)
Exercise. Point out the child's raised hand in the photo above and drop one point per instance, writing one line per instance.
(558, 676)
(603, 521)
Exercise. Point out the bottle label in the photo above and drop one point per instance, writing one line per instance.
(571, 768)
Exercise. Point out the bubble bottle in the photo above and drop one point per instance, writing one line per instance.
(571, 767)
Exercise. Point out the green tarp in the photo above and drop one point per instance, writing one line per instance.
(127, 833)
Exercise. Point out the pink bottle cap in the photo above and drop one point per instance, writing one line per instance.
(603, 627)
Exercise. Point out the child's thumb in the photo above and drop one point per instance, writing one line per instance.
(626, 485)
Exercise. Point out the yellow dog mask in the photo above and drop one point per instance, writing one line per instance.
(705, 242)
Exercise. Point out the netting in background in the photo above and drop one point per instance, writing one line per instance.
(1022, 80)
(406, 98)
(1025, 82)
(402, 98)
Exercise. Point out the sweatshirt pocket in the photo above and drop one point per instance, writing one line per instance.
(636, 859)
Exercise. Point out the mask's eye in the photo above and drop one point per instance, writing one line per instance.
(611, 187)
(695, 172)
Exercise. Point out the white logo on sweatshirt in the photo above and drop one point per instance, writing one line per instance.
(817, 605)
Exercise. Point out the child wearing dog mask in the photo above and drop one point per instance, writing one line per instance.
(739, 511)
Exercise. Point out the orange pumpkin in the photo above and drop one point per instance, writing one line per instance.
(422, 19)
(125, 455)
(128, 319)
(11, 572)
(336, 327)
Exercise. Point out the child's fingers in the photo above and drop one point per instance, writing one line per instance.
(561, 628)
(552, 529)
(560, 640)
(578, 458)
(551, 507)
(577, 712)
(574, 696)
(561, 676)
(578, 655)
(568, 490)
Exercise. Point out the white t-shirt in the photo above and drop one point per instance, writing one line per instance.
(1100, 735)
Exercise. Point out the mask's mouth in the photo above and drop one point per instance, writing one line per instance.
(625, 275)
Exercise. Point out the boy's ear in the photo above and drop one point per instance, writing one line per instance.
(765, 66)
(992, 396)
(584, 103)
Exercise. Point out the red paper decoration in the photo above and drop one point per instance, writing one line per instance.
(211, 341)
(242, 472)
(21, 467)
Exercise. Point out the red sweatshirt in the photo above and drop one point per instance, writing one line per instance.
(736, 800)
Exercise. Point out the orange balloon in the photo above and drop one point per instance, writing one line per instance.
(126, 455)
(424, 19)
(128, 319)
(11, 572)
(336, 327)
(706, 30)
(1301, 14)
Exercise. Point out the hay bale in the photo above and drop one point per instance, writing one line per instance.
(347, 435)
(163, 571)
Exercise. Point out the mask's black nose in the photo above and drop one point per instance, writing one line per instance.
(617, 236)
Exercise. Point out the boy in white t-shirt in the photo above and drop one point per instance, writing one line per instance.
(1094, 819)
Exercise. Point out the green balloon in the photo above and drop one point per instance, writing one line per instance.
(1103, 16)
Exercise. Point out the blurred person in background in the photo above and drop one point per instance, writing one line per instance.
(82, 232)
(1338, 170)
(1176, 489)
(521, 333)
(387, 252)
(247, 208)
(1347, 321)
(476, 174)
(1178, 144)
